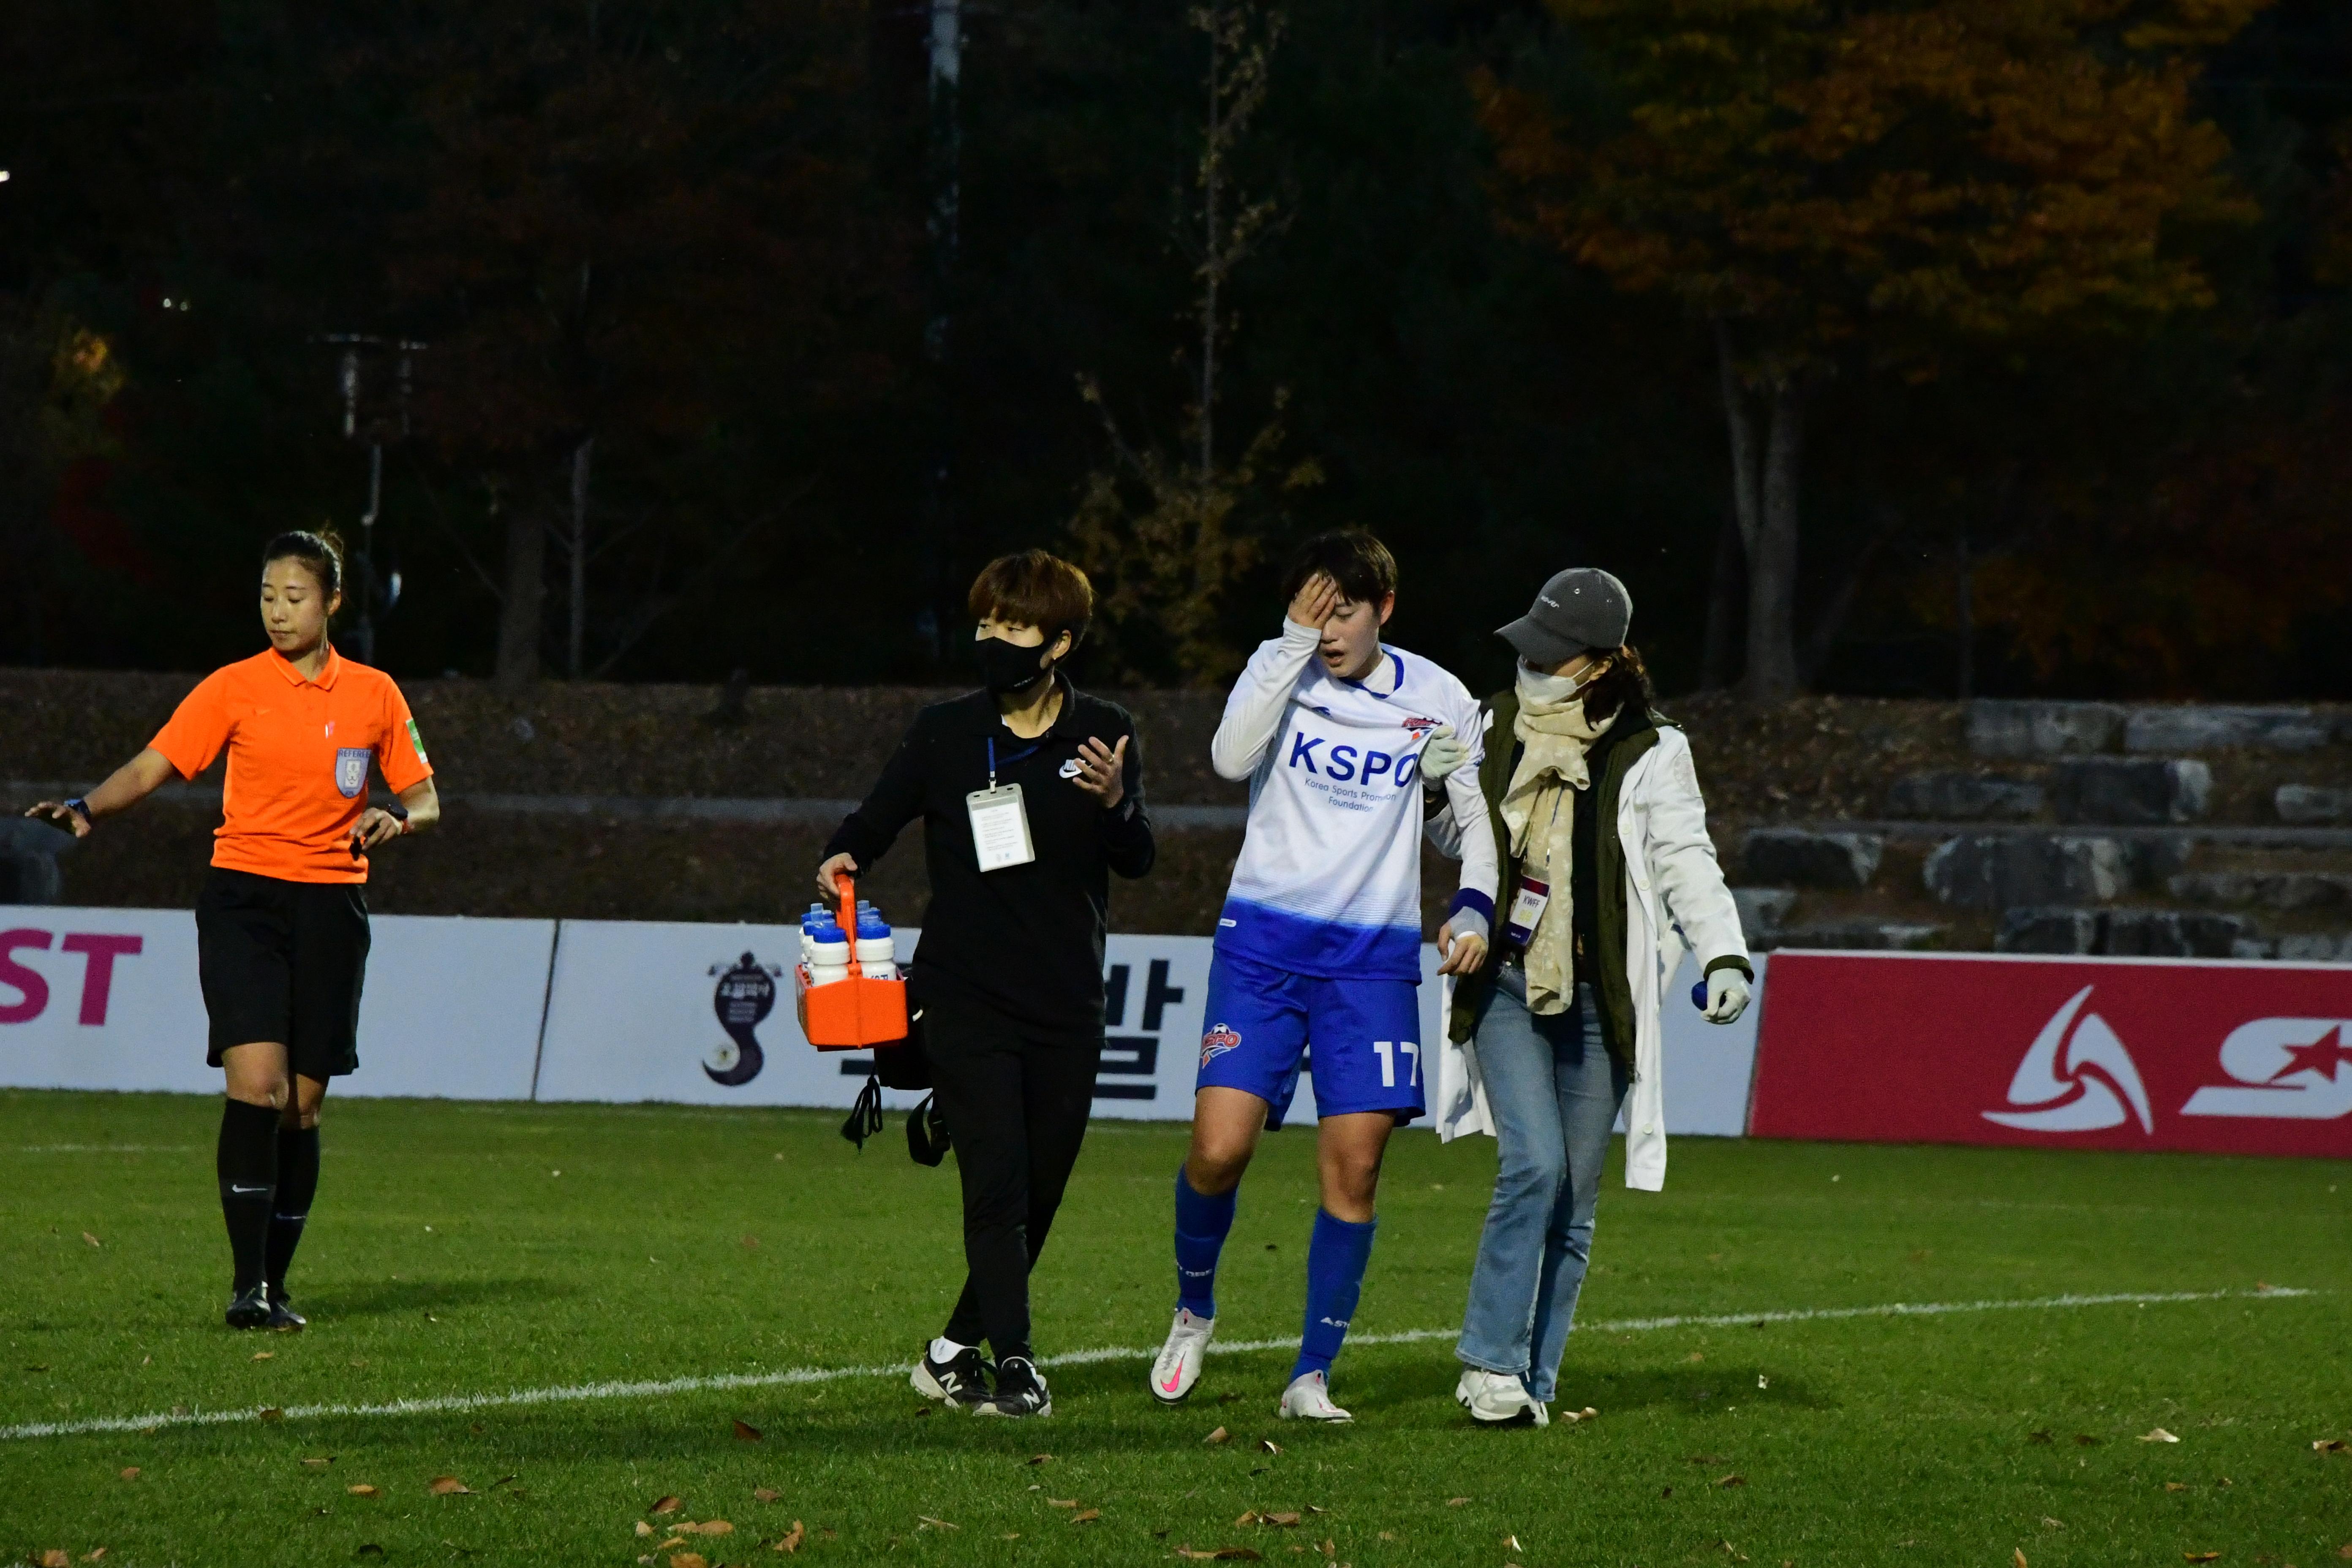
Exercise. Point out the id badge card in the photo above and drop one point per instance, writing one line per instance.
(999, 827)
(1527, 908)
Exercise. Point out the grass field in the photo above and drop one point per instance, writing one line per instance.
(479, 1250)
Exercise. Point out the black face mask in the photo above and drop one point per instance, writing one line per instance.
(1006, 668)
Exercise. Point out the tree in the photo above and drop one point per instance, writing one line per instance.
(1873, 189)
(1169, 535)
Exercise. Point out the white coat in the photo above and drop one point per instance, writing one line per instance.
(1675, 895)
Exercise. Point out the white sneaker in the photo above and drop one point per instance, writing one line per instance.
(1308, 1398)
(1178, 1367)
(1498, 1399)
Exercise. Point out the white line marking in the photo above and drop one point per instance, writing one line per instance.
(576, 1392)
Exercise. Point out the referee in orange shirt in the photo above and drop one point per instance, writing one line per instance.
(282, 924)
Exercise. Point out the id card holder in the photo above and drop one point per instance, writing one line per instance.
(1527, 908)
(999, 827)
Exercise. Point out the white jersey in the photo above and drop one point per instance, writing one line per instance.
(1329, 882)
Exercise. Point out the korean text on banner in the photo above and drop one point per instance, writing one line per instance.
(2220, 1056)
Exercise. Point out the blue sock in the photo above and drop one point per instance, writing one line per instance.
(1335, 1278)
(1200, 1226)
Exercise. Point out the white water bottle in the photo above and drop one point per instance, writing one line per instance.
(830, 959)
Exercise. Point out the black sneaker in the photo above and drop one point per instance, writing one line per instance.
(282, 1315)
(961, 1381)
(1020, 1391)
(249, 1309)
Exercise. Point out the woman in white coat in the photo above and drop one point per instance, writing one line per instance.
(1607, 871)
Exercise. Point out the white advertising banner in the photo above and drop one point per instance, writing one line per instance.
(109, 999)
(629, 1010)
(452, 1007)
(101, 999)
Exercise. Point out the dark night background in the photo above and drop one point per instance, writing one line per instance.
(691, 238)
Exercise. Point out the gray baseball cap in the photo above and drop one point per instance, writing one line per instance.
(1581, 608)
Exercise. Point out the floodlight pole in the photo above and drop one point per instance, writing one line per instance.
(348, 382)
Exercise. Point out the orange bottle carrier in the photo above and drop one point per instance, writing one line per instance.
(852, 1014)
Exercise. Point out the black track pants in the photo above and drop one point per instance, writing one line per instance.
(1016, 1101)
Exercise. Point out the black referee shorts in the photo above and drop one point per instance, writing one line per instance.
(283, 960)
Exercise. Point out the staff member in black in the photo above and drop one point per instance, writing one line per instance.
(1031, 793)
(281, 924)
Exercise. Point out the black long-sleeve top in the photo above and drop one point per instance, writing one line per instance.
(1028, 940)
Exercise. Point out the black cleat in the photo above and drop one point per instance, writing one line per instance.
(249, 1308)
(1020, 1391)
(282, 1315)
(962, 1381)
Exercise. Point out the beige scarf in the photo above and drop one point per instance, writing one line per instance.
(1540, 817)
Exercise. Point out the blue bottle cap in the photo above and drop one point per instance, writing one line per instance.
(831, 934)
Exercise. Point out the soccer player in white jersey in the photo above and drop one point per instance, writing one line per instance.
(1319, 942)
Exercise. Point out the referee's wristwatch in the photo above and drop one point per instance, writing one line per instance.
(80, 807)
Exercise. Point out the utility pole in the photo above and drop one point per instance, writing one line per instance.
(378, 428)
(940, 225)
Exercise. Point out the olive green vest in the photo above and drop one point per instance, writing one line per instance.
(1611, 983)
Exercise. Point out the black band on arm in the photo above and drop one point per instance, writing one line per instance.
(80, 807)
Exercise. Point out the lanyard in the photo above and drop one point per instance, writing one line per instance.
(1032, 749)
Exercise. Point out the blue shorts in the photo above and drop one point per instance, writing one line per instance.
(1366, 1034)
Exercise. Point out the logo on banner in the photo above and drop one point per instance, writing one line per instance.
(1217, 1042)
(2076, 1077)
(2298, 1067)
(745, 997)
(351, 770)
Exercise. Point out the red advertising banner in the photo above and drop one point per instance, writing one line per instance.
(2084, 1053)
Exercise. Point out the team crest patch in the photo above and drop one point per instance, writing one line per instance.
(1217, 1042)
(351, 770)
(1421, 727)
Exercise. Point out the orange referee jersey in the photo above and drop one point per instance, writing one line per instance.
(298, 760)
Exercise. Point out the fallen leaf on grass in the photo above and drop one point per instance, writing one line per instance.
(2041, 1436)
(271, 1413)
(1040, 1459)
(1455, 1501)
(1061, 1503)
(709, 1527)
(747, 1432)
(1574, 1416)
(2157, 1435)
(1219, 1436)
(2049, 1523)
(448, 1485)
(1732, 1480)
(2345, 1551)
(1513, 1543)
(132, 1474)
(265, 1355)
(56, 1557)
(2328, 1446)
(688, 1560)
(1269, 1444)
(2018, 1557)
(1087, 1515)
(91, 1239)
(1222, 1555)
(1284, 1521)
(363, 1489)
(643, 1529)
(930, 1523)
(2201, 1556)
(666, 1545)
(765, 1494)
(316, 1464)
(668, 1505)
(791, 1541)
(93, 1555)
(1696, 1356)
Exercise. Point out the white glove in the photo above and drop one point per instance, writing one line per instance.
(1726, 995)
(1442, 754)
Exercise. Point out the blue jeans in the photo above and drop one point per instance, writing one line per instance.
(1554, 1090)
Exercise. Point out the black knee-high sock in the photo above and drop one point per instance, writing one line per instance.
(297, 1183)
(248, 1164)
